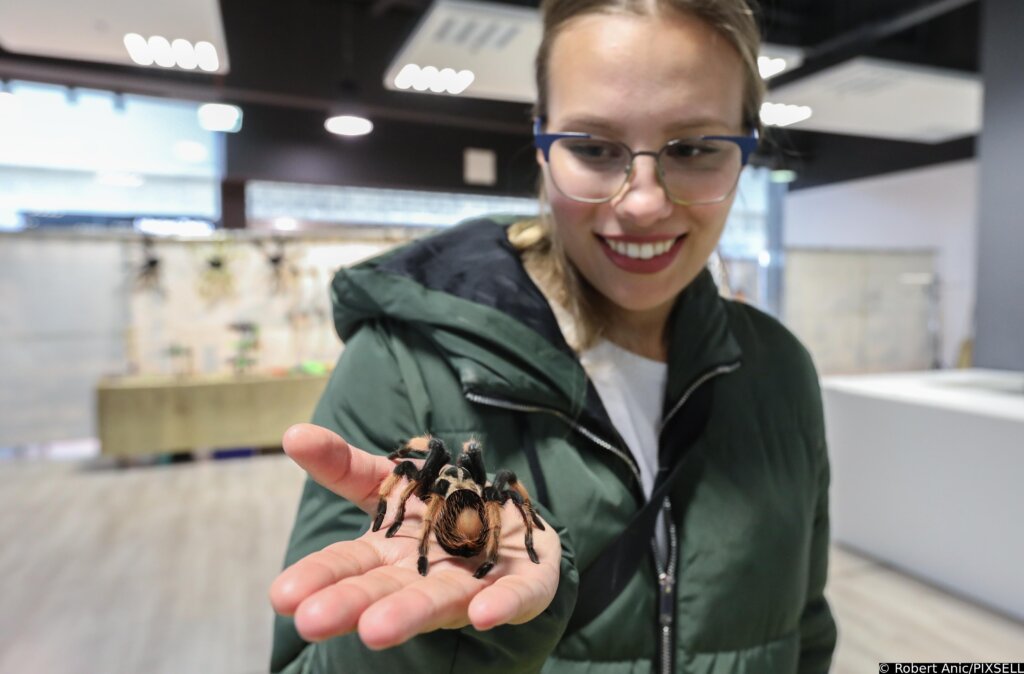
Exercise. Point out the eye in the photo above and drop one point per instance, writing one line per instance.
(452, 472)
(689, 149)
(594, 151)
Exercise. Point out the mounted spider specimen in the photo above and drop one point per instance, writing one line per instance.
(463, 508)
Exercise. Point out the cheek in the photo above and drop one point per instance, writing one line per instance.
(572, 221)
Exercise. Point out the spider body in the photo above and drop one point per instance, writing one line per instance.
(463, 508)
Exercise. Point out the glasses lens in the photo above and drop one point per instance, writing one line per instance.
(698, 171)
(588, 169)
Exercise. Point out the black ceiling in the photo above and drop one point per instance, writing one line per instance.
(302, 58)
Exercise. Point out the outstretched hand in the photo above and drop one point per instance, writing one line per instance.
(372, 585)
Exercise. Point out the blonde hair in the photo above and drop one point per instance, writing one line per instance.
(542, 252)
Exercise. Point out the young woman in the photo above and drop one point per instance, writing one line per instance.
(589, 352)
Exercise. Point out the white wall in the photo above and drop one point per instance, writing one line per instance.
(935, 207)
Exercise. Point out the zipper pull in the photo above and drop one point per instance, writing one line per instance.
(666, 599)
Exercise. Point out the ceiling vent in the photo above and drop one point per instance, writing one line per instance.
(885, 99)
(95, 30)
(495, 42)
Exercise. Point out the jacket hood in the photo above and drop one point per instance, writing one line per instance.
(466, 289)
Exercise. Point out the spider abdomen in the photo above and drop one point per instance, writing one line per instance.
(460, 524)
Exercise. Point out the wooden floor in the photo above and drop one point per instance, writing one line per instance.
(165, 569)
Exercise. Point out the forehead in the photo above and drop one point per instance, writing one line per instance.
(655, 71)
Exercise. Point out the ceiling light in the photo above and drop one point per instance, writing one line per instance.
(206, 54)
(446, 80)
(348, 125)
(770, 67)
(184, 54)
(160, 50)
(180, 53)
(220, 117)
(404, 79)
(138, 49)
(780, 114)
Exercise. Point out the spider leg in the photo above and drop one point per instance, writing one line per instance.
(472, 459)
(492, 513)
(433, 506)
(506, 480)
(406, 469)
(418, 445)
(437, 458)
(400, 514)
(526, 511)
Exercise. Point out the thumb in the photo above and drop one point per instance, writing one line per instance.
(348, 471)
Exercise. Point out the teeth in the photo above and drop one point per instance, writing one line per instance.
(640, 251)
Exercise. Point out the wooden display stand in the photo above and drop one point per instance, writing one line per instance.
(151, 414)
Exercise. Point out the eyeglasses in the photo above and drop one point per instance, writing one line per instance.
(692, 171)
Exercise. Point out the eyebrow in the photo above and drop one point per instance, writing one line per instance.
(601, 125)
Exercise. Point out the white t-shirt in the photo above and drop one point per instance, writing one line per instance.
(632, 389)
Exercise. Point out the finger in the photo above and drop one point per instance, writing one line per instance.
(432, 603)
(511, 599)
(335, 610)
(333, 463)
(319, 570)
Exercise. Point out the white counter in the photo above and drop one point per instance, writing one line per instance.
(928, 475)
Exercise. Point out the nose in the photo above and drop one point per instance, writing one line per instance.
(643, 201)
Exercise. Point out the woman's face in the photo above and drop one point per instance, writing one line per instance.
(641, 80)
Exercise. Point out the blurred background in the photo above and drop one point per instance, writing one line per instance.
(178, 183)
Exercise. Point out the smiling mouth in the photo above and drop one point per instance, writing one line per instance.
(641, 250)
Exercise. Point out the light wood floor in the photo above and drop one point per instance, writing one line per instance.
(165, 569)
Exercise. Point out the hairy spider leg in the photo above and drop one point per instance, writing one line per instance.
(412, 487)
(417, 445)
(472, 459)
(506, 480)
(492, 510)
(433, 507)
(522, 507)
(509, 487)
(406, 469)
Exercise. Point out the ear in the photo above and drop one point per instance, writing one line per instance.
(540, 158)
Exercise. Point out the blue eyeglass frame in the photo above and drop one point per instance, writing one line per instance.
(544, 141)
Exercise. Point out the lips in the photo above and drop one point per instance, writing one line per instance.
(641, 254)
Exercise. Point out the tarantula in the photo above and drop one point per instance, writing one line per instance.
(463, 509)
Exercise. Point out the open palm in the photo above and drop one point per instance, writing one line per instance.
(372, 583)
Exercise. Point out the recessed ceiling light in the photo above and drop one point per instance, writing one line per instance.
(138, 49)
(770, 67)
(348, 125)
(206, 54)
(160, 49)
(429, 78)
(184, 54)
(220, 117)
(780, 114)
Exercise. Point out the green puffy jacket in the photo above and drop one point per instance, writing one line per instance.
(449, 335)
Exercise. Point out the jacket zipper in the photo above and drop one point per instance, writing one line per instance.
(666, 590)
(582, 430)
(667, 575)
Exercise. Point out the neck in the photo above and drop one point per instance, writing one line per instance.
(641, 332)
